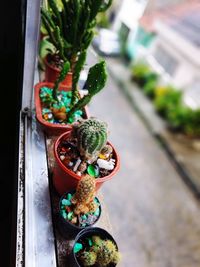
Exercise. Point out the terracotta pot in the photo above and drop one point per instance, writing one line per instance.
(66, 228)
(52, 73)
(47, 127)
(88, 233)
(65, 179)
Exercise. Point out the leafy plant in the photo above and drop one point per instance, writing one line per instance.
(179, 117)
(150, 88)
(192, 125)
(167, 98)
(142, 73)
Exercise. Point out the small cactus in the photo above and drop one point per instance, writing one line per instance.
(88, 258)
(108, 253)
(92, 137)
(102, 251)
(84, 196)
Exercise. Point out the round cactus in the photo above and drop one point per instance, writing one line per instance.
(88, 258)
(92, 137)
(108, 253)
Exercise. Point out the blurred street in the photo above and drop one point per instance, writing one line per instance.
(154, 215)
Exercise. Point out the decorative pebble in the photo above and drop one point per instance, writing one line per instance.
(70, 164)
(101, 156)
(62, 157)
(77, 247)
(84, 217)
(66, 202)
(104, 164)
(69, 196)
(69, 215)
(78, 162)
(97, 212)
(64, 214)
(90, 242)
(82, 167)
(93, 170)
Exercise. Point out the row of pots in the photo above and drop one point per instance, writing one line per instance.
(65, 180)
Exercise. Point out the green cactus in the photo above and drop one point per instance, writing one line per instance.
(71, 30)
(101, 253)
(76, 21)
(96, 81)
(85, 194)
(88, 258)
(108, 253)
(92, 137)
(61, 77)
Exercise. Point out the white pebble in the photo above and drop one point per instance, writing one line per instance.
(107, 165)
(62, 157)
(77, 165)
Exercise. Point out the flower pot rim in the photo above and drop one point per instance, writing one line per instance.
(39, 117)
(73, 225)
(53, 67)
(74, 175)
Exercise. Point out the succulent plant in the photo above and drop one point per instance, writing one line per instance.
(96, 81)
(101, 253)
(61, 77)
(85, 194)
(71, 30)
(108, 253)
(88, 258)
(92, 137)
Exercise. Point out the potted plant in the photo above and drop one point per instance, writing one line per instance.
(79, 209)
(94, 247)
(84, 150)
(55, 109)
(71, 30)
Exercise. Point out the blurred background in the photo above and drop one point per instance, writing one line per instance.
(152, 106)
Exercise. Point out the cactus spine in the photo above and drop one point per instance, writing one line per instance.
(92, 137)
(84, 196)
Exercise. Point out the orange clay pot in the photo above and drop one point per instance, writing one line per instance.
(47, 127)
(65, 179)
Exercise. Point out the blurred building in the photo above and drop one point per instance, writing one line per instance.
(168, 36)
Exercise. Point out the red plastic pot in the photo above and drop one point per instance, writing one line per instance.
(47, 127)
(52, 73)
(65, 179)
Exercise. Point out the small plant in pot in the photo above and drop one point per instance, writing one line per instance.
(84, 150)
(71, 28)
(94, 247)
(80, 208)
(54, 108)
